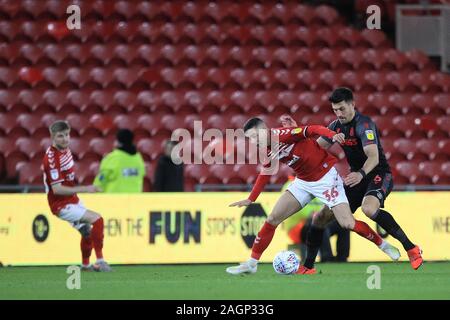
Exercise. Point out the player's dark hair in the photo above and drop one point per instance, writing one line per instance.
(58, 126)
(251, 123)
(341, 94)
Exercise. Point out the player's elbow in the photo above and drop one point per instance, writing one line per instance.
(58, 191)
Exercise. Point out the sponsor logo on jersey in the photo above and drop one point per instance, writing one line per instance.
(296, 131)
(54, 174)
(370, 135)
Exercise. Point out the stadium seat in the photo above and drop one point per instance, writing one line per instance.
(375, 38)
(406, 147)
(31, 52)
(408, 172)
(247, 172)
(30, 173)
(79, 52)
(150, 123)
(419, 59)
(79, 147)
(441, 101)
(29, 147)
(430, 150)
(444, 149)
(442, 80)
(101, 146)
(196, 171)
(30, 122)
(431, 170)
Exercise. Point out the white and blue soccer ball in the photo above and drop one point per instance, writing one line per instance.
(286, 262)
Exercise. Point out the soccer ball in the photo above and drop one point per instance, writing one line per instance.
(286, 262)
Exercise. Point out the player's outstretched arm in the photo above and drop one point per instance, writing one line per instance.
(61, 190)
(260, 183)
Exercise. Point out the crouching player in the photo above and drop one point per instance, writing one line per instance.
(59, 180)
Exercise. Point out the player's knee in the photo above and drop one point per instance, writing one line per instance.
(273, 220)
(368, 210)
(348, 225)
(318, 219)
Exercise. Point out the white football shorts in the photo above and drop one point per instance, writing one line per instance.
(73, 213)
(329, 190)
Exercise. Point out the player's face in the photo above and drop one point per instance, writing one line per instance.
(258, 135)
(61, 139)
(344, 111)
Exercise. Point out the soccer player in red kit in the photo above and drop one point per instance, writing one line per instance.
(59, 180)
(315, 177)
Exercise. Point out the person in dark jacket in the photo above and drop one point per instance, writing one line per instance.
(169, 177)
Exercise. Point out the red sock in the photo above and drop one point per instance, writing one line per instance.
(263, 240)
(97, 237)
(86, 249)
(365, 231)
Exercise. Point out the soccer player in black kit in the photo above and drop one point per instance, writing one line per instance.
(369, 182)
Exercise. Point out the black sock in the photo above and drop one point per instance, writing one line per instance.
(313, 242)
(388, 223)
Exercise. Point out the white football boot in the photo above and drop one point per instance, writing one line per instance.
(245, 267)
(390, 250)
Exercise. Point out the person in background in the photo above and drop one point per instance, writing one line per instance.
(122, 170)
(169, 177)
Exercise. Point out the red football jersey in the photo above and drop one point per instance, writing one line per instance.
(299, 151)
(303, 154)
(58, 168)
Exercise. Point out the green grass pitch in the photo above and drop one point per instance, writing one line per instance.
(210, 282)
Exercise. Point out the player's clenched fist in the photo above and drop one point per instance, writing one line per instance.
(242, 203)
(340, 138)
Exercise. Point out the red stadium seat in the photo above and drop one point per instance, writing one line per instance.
(430, 169)
(442, 80)
(430, 150)
(326, 15)
(419, 59)
(8, 76)
(444, 149)
(127, 30)
(29, 147)
(198, 172)
(441, 101)
(79, 147)
(149, 148)
(79, 52)
(7, 146)
(57, 53)
(30, 122)
(247, 172)
(406, 147)
(126, 8)
(31, 98)
(30, 173)
(32, 53)
(123, 121)
(423, 104)
(408, 172)
(101, 146)
(150, 123)
(55, 98)
(55, 76)
(375, 38)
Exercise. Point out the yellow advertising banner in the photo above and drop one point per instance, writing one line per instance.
(193, 228)
(144, 228)
(425, 218)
